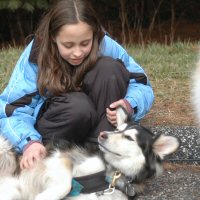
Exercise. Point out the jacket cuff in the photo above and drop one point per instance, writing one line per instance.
(24, 142)
(129, 109)
(30, 143)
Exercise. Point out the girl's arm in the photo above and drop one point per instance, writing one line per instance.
(19, 104)
(139, 93)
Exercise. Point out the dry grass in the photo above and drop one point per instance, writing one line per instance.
(169, 69)
(8, 59)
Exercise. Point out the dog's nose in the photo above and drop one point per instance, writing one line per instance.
(103, 136)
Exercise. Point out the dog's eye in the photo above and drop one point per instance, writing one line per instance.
(128, 137)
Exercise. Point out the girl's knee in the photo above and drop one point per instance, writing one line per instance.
(81, 108)
(109, 65)
(111, 69)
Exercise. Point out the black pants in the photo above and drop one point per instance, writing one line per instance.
(76, 116)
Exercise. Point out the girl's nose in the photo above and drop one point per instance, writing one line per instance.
(77, 52)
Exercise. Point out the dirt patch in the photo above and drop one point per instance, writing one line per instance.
(176, 167)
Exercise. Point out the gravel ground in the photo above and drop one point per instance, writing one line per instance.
(177, 183)
(181, 177)
(189, 151)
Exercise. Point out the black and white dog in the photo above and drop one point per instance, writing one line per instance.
(131, 154)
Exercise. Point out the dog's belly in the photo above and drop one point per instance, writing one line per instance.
(89, 166)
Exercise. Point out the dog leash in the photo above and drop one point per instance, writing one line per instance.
(112, 184)
(128, 189)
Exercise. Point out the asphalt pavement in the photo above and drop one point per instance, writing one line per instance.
(181, 177)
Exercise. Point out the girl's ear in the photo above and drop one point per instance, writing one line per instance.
(165, 145)
(122, 116)
(53, 38)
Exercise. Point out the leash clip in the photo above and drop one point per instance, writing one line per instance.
(111, 188)
(116, 176)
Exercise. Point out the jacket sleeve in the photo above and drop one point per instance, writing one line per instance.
(139, 93)
(19, 103)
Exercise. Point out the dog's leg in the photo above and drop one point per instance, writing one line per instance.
(59, 173)
(10, 189)
(57, 188)
(54, 192)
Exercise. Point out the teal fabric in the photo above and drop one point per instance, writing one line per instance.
(76, 188)
(108, 179)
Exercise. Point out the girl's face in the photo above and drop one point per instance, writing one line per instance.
(74, 42)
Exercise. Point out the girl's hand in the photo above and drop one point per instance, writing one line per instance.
(111, 111)
(32, 153)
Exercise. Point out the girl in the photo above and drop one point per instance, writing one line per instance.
(68, 82)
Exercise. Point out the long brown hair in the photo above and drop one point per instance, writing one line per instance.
(55, 75)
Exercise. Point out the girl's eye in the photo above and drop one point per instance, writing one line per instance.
(128, 137)
(85, 44)
(68, 46)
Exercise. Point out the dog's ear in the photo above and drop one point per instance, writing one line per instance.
(165, 145)
(122, 115)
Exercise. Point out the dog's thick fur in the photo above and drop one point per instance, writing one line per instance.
(131, 150)
(195, 91)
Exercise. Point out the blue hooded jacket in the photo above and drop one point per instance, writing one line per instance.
(20, 101)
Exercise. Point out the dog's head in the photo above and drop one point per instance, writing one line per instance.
(135, 150)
